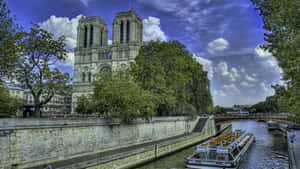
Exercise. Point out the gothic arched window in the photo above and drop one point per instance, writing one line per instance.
(105, 69)
(91, 35)
(83, 77)
(85, 37)
(90, 77)
(121, 32)
(128, 32)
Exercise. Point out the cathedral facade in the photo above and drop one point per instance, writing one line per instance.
(93, 53)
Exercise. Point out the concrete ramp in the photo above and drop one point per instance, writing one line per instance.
(200, 125)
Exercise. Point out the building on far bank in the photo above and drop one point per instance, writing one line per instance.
(58, 104)
(93, 53)
(15, 91)
(238, 110)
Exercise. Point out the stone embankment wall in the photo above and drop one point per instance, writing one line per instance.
(31, 142)
(164, 149)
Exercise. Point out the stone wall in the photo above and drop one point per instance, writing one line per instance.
(31, 142)
(160, 150)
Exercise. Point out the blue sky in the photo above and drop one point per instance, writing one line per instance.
(223, 35)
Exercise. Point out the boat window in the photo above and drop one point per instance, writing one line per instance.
(212, 155)
(202, 155)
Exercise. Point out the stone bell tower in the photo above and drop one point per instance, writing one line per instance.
(127, 28)
(93, 54)
(127, 37)
(92, 32)
(92, 36)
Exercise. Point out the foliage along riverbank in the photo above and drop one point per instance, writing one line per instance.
(164, 80)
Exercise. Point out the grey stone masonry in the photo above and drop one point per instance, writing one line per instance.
(93, 54)
(34, 142)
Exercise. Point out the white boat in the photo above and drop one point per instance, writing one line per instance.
(225, 151)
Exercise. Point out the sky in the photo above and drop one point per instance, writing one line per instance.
(223, 35)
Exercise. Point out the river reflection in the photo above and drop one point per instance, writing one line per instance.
(270, 149)
(268, 152)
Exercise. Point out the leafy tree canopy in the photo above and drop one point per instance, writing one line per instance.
(36, 67)
(84, 105)
(8, 105)
(278, 103)
(116, 95)
(164, 80)
(9, 41)
(282, 21)
(169, 71)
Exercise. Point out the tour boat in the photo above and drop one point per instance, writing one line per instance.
(225, 151)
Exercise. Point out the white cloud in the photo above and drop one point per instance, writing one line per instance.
(63, 26)
(109, 42)
(165, 5)
(250, 78)
(207, 65)
(152, 30)
(228, 75)
(218, 93)
(85, 2)
(267, 91)
(266, 59)
(69, 60)
(218, 46)
(261, 53)
(246, 84)
(231, 89)
(234, 73)
(222, 68)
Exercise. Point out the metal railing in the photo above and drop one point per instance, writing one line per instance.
(258, 116)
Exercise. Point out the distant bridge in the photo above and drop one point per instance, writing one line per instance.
(219, 119)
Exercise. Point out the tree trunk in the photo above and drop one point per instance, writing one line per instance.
(37, 112)
(37, 107)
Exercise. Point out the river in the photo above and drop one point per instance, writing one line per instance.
(270, 150)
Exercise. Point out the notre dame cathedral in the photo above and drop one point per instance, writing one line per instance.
(93, 54)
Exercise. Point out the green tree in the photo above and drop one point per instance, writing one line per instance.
(219, 110)
(8, 105)
(169, 71)
(116, 95)
(278, 103)
(36, 68)
(282, 21)
(83, 105)
(271, 104)
(9, 41)
(200, 89)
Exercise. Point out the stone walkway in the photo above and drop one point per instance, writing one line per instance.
(294, 149)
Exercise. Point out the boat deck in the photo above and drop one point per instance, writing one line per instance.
(224, 140)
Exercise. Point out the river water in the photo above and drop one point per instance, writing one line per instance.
(270, 150)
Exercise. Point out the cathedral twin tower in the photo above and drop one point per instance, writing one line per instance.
(94, 54)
